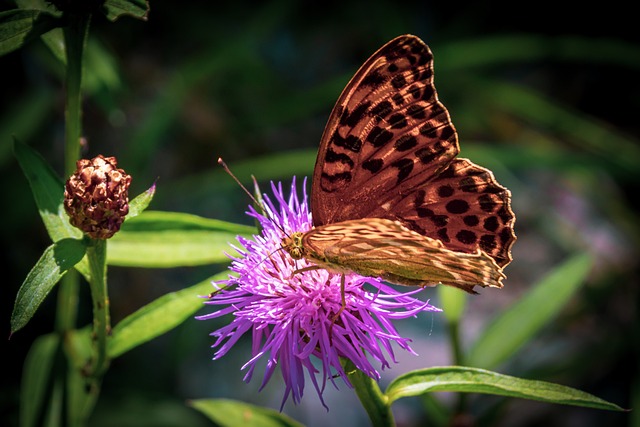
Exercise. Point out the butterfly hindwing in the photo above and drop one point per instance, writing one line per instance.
(384, 248)
(465, 208)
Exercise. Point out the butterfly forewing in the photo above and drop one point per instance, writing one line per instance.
(389, 150)
(387, 135)
(384, 248)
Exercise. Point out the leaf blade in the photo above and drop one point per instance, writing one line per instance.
(474, 380)
(36, 374)
(171, 239)
(500, 340)
(18, 26)
(52, 265)
(114, 9)
(139, 203)
(231, 413)
(158, 317)
(48, 192)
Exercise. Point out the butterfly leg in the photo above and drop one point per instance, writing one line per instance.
(302, 270)
(342, 306)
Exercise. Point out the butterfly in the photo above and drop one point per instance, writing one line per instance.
(390, 198)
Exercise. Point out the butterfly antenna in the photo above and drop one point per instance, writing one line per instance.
(227, 170)
(257, 203)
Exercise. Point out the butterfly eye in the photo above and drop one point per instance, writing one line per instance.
(293, 245)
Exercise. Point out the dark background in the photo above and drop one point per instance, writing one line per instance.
(246, 80)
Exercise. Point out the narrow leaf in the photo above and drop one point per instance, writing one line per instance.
(54, 38)
(117, 8)
(231, 413)
(159, 317)
(473, 380)
(36, 376)
(52, 265)
(18, 26)
(140, 202)
(171, 239)
(513, 328)
(595, 138)
(48, 192)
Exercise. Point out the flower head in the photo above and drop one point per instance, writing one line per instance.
(291, 312)
(96, 196)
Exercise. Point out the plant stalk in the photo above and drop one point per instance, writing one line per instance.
(97, 256)
(75, 37)
(458, 359)
(373, 400)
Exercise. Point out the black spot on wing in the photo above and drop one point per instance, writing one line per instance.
(351, 142)
(373, 165)
(354, 117)
(381, 110)
(333, 157)
(405, 166)
(405, 143)
(379, 137)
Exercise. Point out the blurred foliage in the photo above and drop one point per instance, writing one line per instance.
(548, 101)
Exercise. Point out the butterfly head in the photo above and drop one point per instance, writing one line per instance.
(293, 245)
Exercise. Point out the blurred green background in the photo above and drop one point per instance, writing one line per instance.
(547, 99)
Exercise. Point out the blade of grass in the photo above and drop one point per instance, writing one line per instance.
(509, 331)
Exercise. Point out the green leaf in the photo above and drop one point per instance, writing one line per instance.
(513, 328)
(473, 380)
(54, 38)
(231, 413)
(52, 265)
(498, 51)
(140, 203)
(158, 317)
(48, 192)
(595, 138)
(117, 8)
(36, 376)
(18, 26)
(172, 239)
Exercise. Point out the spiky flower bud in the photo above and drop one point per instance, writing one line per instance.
(96, 196)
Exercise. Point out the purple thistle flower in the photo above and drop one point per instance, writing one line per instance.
(291, 314)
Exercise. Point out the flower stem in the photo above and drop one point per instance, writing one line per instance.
(75, 38)
(97, 256)
(373, 400)
(458, 359)
(453, 303)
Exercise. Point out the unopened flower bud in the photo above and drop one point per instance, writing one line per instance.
(96, 196)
